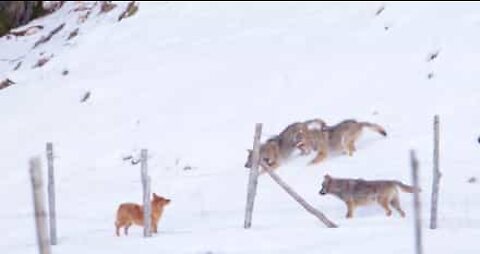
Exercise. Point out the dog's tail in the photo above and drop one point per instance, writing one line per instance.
(407, 188)
(374, 127)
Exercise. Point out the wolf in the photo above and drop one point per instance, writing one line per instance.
(129, 213)
(295, 136)
(342, 136)
(270, 155)
(359, 192)
(316, 139)
(277, 149)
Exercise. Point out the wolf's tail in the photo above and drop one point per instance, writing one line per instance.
(407, 188)
(374, 127)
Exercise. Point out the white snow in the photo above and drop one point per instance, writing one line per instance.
(189, 81)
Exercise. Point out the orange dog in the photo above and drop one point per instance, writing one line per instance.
(129, 213)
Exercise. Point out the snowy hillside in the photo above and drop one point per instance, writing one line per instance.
(189, 81)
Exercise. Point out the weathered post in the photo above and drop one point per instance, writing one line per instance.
(416, 204)
(39, 206)
(51, 196)
(253, 177)
(436, 173)
(147, 210)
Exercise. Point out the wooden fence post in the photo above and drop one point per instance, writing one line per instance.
(436, 173)
(51, 196)
(416, 204)
(253, 177)
(39, 206)
(301, 201)
(147, 209)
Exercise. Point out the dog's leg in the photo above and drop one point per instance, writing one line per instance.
(126, 228)
(117, 230)
(154, 227)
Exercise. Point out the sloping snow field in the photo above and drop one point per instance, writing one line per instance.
(189, 81)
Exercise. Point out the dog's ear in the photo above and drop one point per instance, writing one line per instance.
(154, 195)
(327, 177)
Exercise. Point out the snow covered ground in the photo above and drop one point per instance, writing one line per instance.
(188, 81)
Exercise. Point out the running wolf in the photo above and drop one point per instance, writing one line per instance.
(359, 192)
(280, 148)
(270, 155)
(342, 136)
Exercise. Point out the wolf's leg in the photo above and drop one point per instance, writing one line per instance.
(344, 146)
(395, 202)
(384, 203)
(305, 149)
(351, 147)
(264, 166)
(274, 165)
(319, 158)
(350, 208)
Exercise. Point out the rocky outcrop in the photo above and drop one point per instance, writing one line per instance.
(17, 13)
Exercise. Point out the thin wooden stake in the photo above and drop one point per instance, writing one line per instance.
(147, 209)
(436, 173)
(39, 206)
(416, 204)
(51, 196)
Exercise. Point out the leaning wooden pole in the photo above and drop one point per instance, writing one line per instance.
(436, 173)
(253, 177)
(301, 201)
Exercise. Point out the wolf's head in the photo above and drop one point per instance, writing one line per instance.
(327, 182)
(265, 160)
(268, 154)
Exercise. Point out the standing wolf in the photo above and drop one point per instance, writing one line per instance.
(359, 192)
